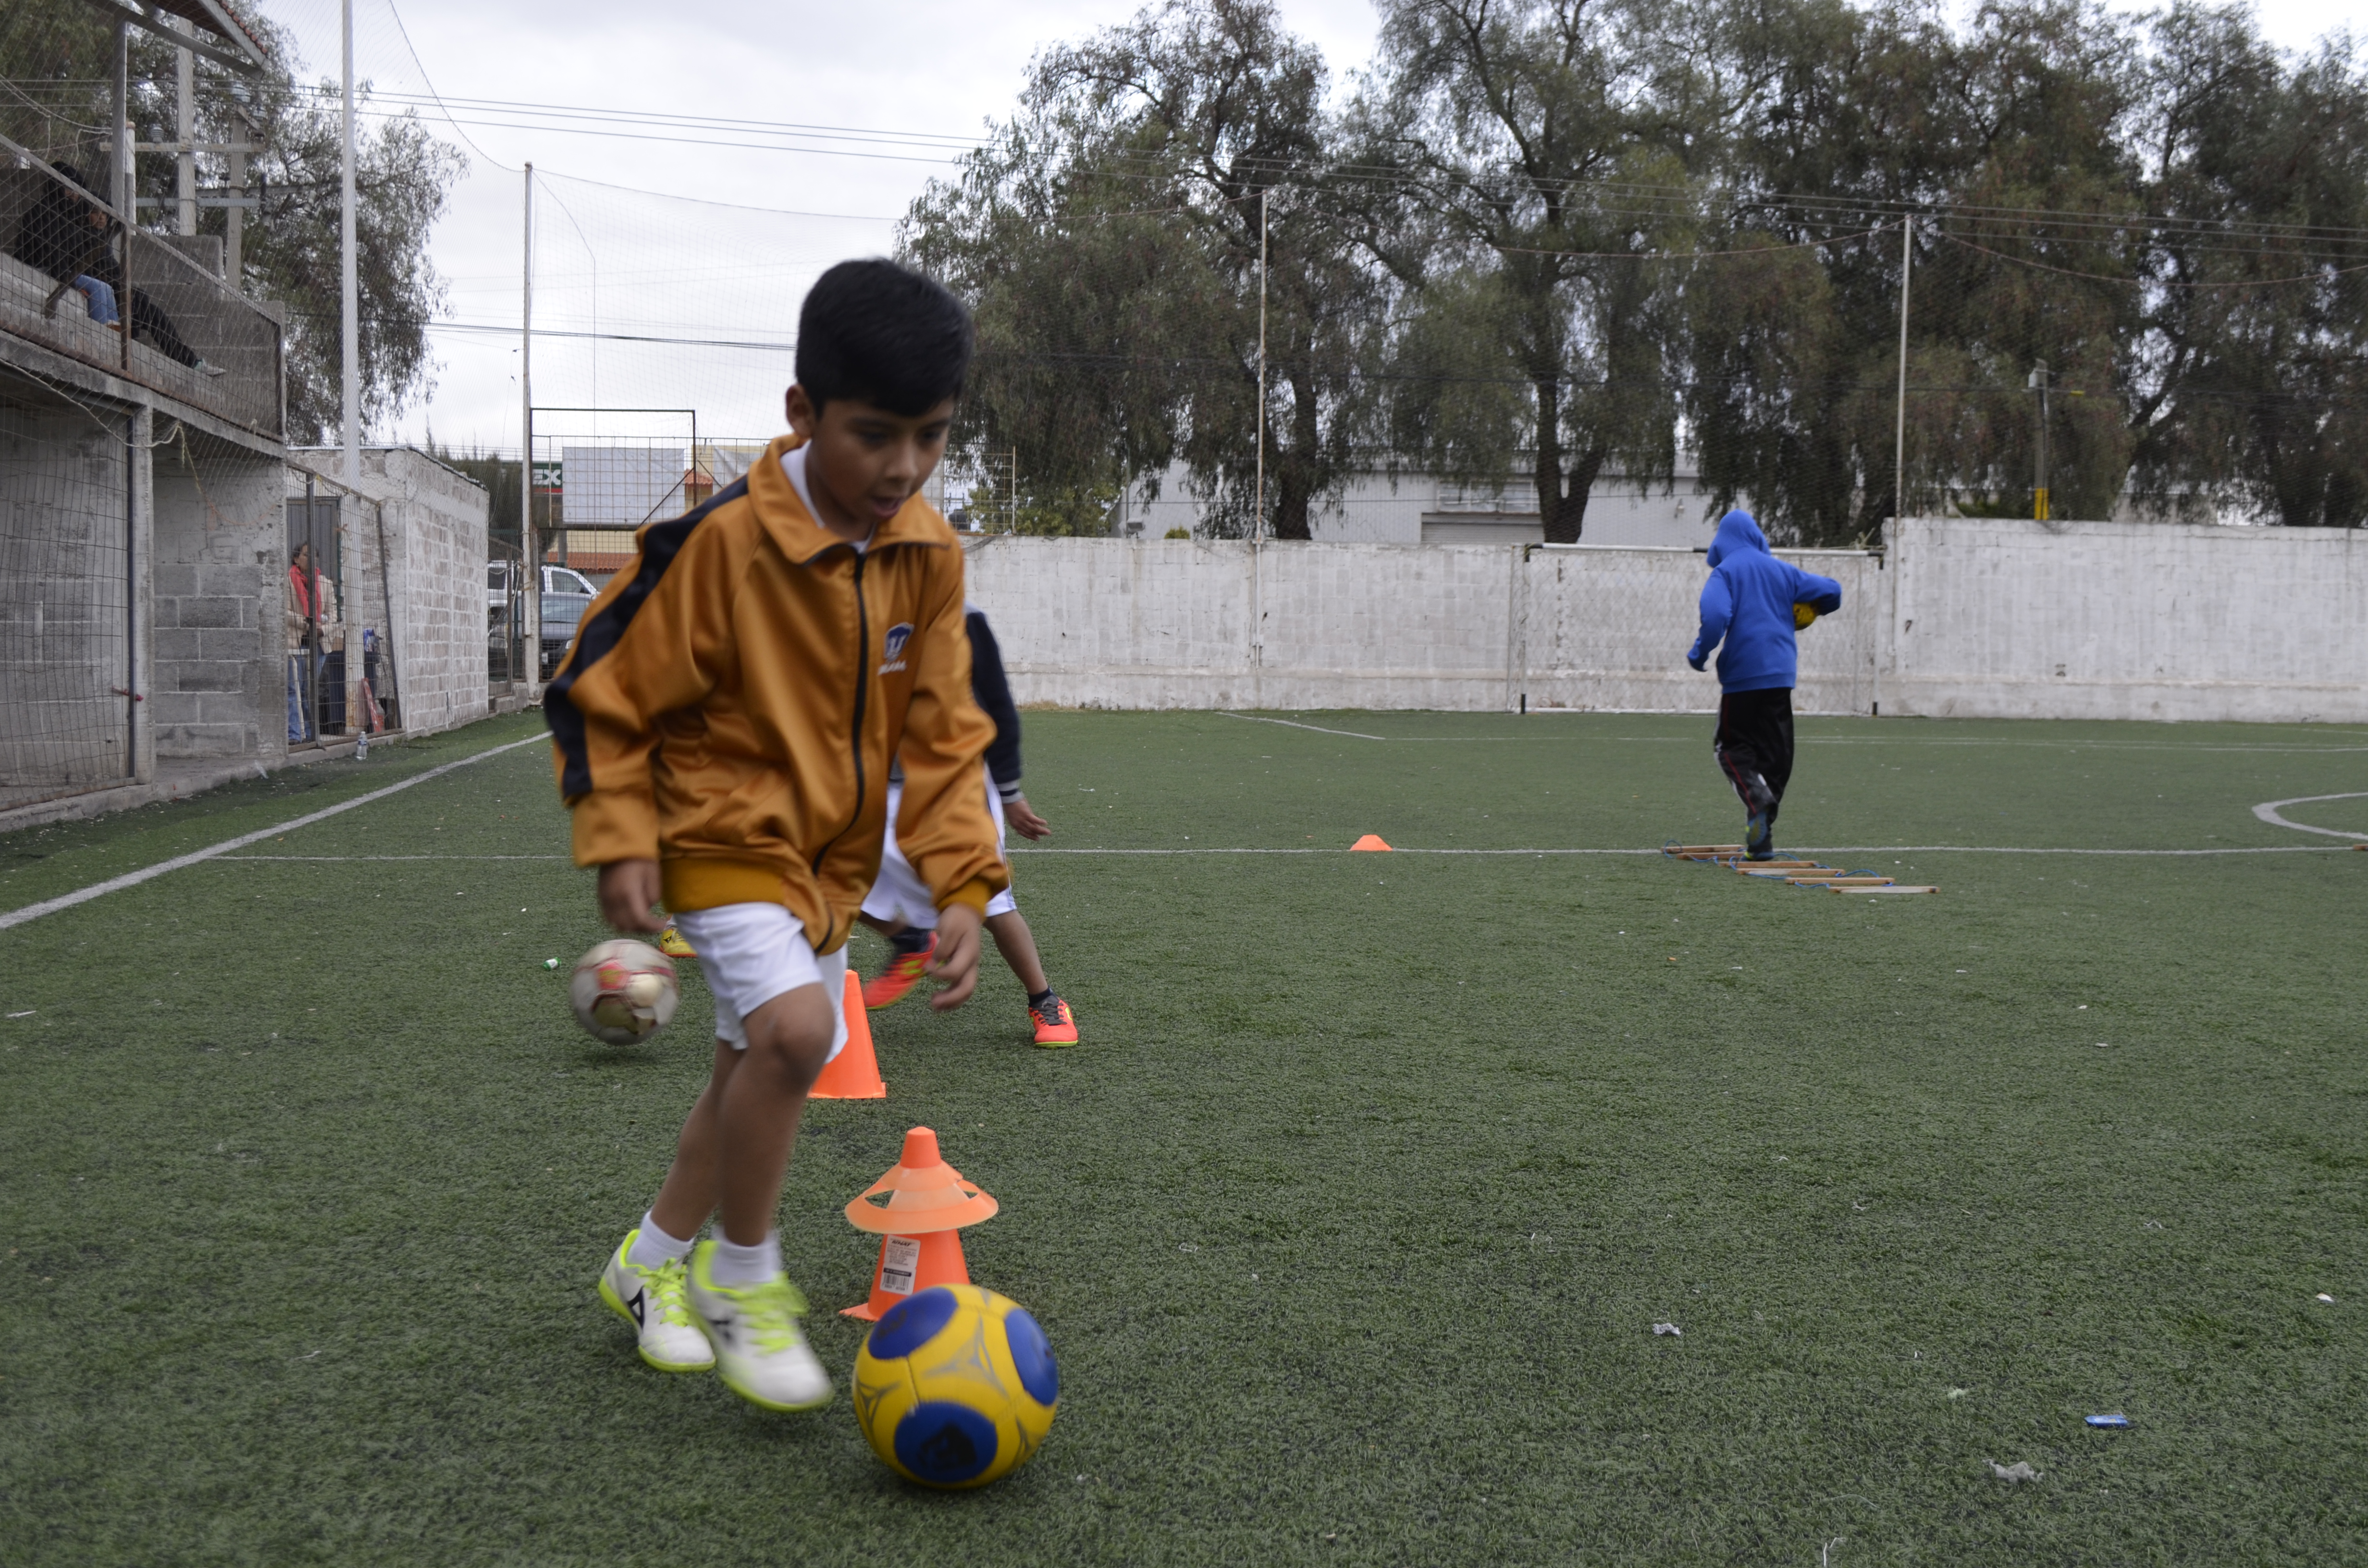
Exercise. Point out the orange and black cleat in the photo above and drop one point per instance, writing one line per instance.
(903, 971)
(1055, 1024)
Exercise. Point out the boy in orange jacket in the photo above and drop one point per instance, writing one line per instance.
(723, 727)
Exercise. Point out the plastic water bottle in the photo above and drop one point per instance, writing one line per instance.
(361, 746)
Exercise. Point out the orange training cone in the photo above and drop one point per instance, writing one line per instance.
(1371, 841)
(919, 1227)
(854, 1072)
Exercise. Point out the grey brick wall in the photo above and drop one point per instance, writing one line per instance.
(426, 589)
(217, 675)
(64, 597)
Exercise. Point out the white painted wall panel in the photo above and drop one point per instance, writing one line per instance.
(1961, 617)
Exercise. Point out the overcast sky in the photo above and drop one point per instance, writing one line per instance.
(934, 66)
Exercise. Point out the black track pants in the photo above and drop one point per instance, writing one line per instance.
(1754, 746)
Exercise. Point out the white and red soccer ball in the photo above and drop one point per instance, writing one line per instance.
(623, 991)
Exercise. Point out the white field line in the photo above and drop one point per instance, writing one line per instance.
(1292, 724)
(2268, 811)
(1809, 739)
(216, 851)
(342, 858)
(1805, 849)
(1812, 738)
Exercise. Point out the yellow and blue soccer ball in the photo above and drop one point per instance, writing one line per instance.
(955, 1386)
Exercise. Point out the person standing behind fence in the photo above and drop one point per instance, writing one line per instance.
(1755, 603)
(310, 615)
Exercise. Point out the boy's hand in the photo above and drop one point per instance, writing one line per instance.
(1023, 817)
(955, 965)
(628, 888)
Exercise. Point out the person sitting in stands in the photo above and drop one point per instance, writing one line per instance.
(65, 233)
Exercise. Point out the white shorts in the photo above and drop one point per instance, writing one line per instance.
(898, 894)
(754, 952)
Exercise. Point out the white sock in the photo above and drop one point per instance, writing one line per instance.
(738, 1268)
(652, 1248)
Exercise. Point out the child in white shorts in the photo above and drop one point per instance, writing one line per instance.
(751, 953)
(899, 906)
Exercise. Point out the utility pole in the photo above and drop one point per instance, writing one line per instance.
(2039, 380)
(351, 296)
(1899, 431)
(234, 219)
(1257, 517)
(184, 130)
(120, 189)
(530, 547)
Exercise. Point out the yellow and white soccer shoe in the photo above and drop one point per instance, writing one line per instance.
(760, 1353)
(652, 1300)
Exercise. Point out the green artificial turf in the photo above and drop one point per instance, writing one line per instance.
(1348, 1220)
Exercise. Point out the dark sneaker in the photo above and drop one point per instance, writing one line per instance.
(1760, 837)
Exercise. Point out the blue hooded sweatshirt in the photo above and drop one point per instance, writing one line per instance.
(1748, 603)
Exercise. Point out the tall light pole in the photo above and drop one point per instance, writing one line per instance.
(530, 547)
(351, 289)
(1257, 517)
(185, 131)
(1899, 431)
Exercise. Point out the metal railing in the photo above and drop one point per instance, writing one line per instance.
(146, 311)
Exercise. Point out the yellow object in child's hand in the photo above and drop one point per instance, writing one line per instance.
(1801, 615)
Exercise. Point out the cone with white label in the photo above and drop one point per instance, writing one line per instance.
(919, 1224)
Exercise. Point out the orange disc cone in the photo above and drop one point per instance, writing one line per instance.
(928, 1203)
(854, 1072)
(908, 1264)
(1371, 841)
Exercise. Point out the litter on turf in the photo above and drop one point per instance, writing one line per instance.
(2116, 1419)
(2019, 1471)
(1669, 1329)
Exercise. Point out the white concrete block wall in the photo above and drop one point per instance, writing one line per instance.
(2000, 618)
(1969, 618)
(1607, 628)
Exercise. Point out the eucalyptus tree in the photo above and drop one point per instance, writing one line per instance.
(2253, 383)
(1113, 237)
(1536, 168)
(2002, 141)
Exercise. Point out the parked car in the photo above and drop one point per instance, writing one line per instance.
(567, 593)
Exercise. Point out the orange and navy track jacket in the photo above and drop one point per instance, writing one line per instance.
(735, 696)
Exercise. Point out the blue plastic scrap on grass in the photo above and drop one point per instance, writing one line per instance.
(2115, 1420)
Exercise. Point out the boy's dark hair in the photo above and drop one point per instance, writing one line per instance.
(883, 334)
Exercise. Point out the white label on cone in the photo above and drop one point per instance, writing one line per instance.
(899, 1257)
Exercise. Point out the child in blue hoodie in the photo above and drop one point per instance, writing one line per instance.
(1749, 603)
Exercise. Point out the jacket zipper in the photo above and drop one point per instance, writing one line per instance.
(863, 690)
